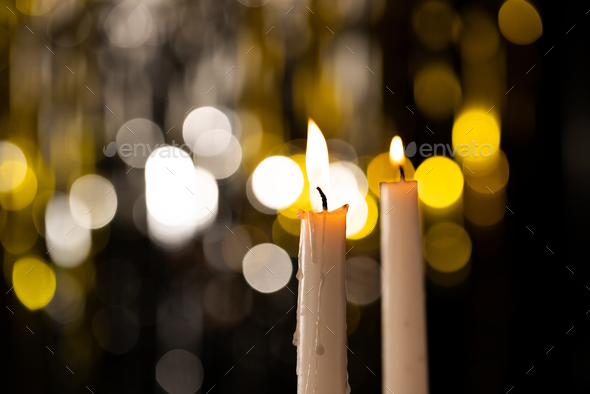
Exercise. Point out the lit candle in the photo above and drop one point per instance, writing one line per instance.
(402, 303)
(320, 335)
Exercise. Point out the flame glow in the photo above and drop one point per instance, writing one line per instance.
(317, 165)
(396, 151)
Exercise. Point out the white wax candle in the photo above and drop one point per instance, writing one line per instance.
(320, 336)
(403, 306)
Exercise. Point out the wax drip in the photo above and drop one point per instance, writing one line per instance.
(319, 349)
(299, 276)
(308, 373)
(311, 253)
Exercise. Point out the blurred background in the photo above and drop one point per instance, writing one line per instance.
(152, 160)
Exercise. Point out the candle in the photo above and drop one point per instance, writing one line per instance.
(320, 335)
(402, 304)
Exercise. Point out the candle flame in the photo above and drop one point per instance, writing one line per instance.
(396, 151)
(317, 164)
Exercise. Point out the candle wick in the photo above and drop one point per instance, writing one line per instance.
(324, 199)
(401, 171)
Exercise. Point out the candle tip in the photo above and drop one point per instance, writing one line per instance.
(324, 199)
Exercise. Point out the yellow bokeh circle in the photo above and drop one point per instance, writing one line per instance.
(371, 221)
(290, 225)
(436, 24)
(440, 182)
(380, 170)
(13, 166)
(480, 39)
(33, 281)
(520, 22)
(476, 138)
(437, 91)
(22, 195)
(302, 202)
(447, 247)
(490, 180)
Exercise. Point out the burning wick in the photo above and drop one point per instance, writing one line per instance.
(324, 199)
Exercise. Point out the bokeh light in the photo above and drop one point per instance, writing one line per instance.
(208, 130)
(436, 24)
(490, 179)
(69, 24)
(129, 24)
(68, 243)
(93, 201)
(33, 281)
(345, 190)
(236, 242)
(447, 247)
(440, 182)
(277, 182)
(288, 217)
(212, 142)
(255, 202)
(520, 22)
(207, 197)
(225, 162)
(380, 170)
(68, 301)
(288, 223)
(267, 268)
(23, 194)
(370, 221)
(437, 91)
(362, 184)
(180, 372)
(476, 137)
(480, 39)
(13, 166)
(341, 151)
(363, 280)
(137, 139)
(171, 187)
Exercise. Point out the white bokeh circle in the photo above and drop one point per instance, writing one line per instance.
(277, 182)
(267, 268)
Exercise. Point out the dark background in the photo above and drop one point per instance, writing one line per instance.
(515, 311)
